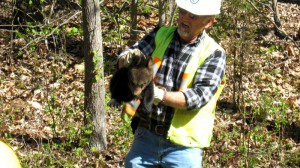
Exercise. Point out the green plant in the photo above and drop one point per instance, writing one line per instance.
(293, 159)
(74, 31)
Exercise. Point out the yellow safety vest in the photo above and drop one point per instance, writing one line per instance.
(8, 158)
(191, 128)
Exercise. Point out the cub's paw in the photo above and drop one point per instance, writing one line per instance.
(114, 103)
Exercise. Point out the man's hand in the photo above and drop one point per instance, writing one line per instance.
(126, 59)
(159, 95)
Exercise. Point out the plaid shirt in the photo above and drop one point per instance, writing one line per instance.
(206, 81)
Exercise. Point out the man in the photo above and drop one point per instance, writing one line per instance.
(189, 67)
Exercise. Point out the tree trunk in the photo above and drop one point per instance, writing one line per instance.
(171, 12)
(161, 12)
(94, 100)
(133, 14)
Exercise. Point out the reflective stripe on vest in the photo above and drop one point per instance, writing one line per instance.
(131, 107)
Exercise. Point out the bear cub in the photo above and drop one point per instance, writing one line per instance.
(133, 82)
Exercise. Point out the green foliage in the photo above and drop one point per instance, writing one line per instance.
(35, 2)
(273, 106)
(264, 119)
(146, 9)
(293, 160)
(98, 70)
(115, 34)
(74, 31)
(122, 136)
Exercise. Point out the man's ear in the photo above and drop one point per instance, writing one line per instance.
(211, 21)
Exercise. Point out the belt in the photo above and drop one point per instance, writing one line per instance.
(155, 127)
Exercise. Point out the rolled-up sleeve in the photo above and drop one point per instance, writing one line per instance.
(206, 81)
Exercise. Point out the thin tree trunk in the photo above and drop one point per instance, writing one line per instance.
(94, 100)
(161, 12)
(171, 12)
(133, 14)
(171, 5)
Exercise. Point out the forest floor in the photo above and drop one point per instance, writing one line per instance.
(42, 91)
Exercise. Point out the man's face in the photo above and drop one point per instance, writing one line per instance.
(190, 25)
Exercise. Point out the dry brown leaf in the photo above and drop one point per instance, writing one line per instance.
(288, 87)
(35, 105)
(79, 68)
(290, 50)
(297, 103)
(277, 55)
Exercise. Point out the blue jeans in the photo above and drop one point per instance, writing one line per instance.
(151, 150)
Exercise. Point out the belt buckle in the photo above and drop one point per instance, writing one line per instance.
(161, 128)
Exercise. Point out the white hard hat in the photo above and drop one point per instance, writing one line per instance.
(200, 7)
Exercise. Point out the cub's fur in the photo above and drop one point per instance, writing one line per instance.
(134, 81)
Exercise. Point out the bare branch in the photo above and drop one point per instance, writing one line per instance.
(12, 25)
(277, 28)
(52, 32)
(8, 30)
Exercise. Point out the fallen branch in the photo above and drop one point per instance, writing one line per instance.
(12, 25)
(275, 25)
(14, 31)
